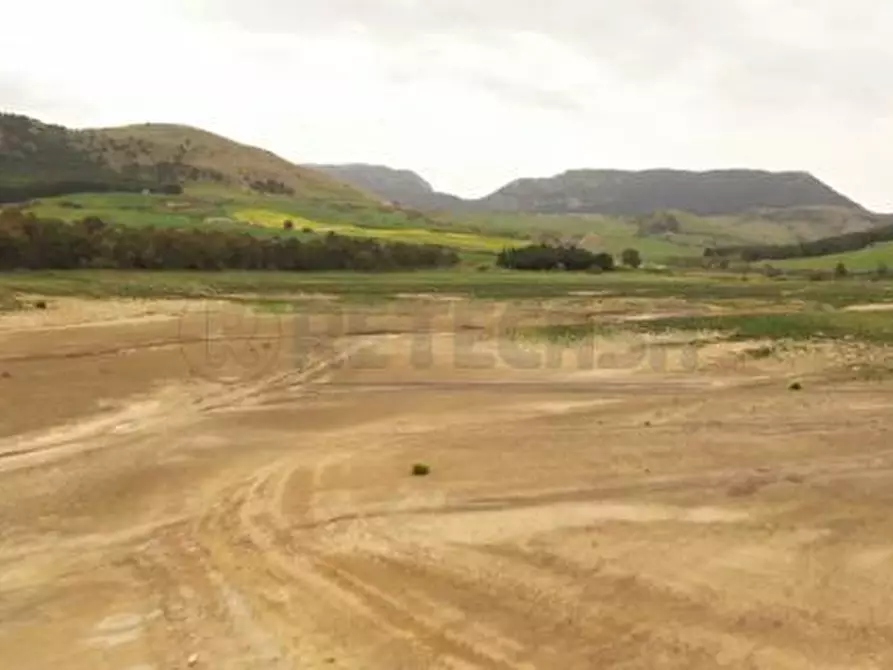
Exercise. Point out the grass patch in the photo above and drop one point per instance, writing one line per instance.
(797, 326)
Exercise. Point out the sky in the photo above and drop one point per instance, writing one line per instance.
(475, 93)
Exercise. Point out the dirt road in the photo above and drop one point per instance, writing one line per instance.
(162, 510)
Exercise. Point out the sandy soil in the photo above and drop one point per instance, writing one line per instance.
(194, 486)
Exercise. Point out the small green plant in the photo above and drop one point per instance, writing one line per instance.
(421, 470)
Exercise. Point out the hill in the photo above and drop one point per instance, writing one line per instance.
(715, 192)
(625, 193)
(403, 187)
(35, 155)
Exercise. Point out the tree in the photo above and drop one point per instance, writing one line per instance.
(631, 258)
(544, 257)
(840, 270)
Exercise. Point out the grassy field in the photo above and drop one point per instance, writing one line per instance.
(866, 260)
(465, 241)
(477, 236)
(265, 215)
(614, 234)
(492, 284)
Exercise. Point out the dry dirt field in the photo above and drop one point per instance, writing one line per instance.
(222, 491)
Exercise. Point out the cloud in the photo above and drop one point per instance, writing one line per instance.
(475, 93)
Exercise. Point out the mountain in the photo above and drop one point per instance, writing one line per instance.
(38, 159)
(36, 155)
(402, 187)
(629, 193)
(618, 192)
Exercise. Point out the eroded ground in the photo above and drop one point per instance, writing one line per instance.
(166, 504)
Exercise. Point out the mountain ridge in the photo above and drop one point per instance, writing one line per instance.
(157, 154)
(400, 186)
(613, 191)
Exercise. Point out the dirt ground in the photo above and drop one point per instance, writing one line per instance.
(195, 485)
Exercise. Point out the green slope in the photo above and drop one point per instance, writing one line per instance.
(862, 260)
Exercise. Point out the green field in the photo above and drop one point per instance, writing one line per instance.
(866, 260)
(477, 236)
(465, 241)
(265, 215)
(614, 234)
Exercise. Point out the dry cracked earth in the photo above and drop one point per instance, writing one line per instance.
(182, 488)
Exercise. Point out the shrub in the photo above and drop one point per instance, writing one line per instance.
(420, 470)
(631, 258)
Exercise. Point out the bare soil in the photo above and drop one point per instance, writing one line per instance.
(195, 485)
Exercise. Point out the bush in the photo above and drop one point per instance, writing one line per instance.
(631, 258)
(288, 225)
(420, 470)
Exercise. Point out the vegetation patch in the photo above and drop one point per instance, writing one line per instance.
(27, 242)
(797, 326)
(457, 240)
(421, 470)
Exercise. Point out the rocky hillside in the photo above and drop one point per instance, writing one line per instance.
(402, 187)
(35, 154)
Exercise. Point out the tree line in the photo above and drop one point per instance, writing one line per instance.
(554, 257)
(27, 242)
(822, 247)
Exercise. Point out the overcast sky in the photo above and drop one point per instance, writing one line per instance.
(474, 93)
